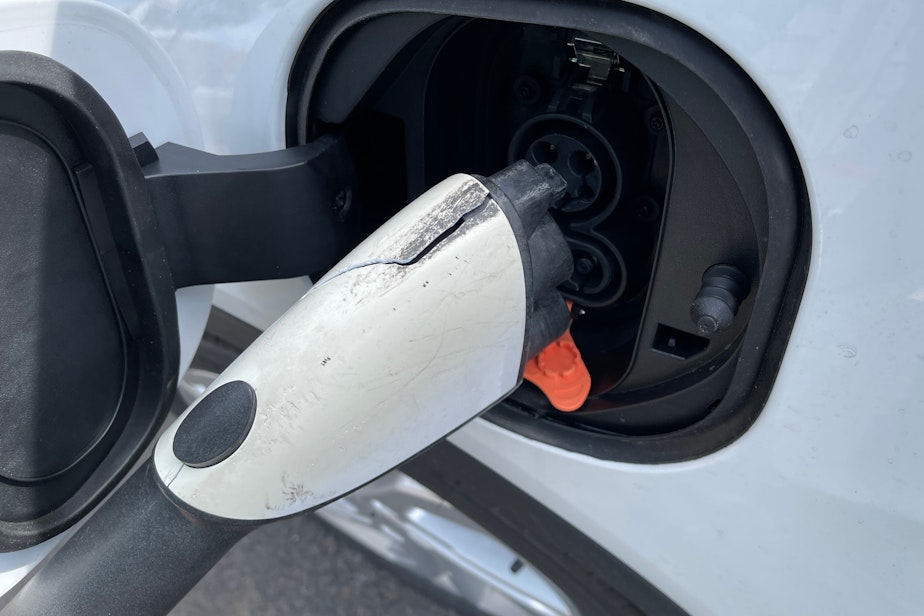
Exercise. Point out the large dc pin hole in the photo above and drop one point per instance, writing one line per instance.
(543, 152)
(580, 154)
(589, 166)
(599, 276)
(581, 162)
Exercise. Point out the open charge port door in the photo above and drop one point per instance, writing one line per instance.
(99, 232)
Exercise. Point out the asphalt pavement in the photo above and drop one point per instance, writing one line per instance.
(299, 566)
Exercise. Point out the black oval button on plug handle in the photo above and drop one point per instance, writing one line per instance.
(217, 426)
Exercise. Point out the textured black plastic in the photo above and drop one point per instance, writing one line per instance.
(531, 189)
(716, 304)
(55, 307)
(89, 350)
(550, 256)
(216, 426)
(140, 553)
(525, 193)
(255, 216)
(550, 318)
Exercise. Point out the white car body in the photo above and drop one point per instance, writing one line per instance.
(819, 506)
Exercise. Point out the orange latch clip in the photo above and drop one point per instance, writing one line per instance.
(559, 372)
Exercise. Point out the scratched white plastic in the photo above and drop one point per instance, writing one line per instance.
(818, 509)
(383, 356)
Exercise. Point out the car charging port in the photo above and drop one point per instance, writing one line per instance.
(587, 162)
(680, 220)
(580, 154)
